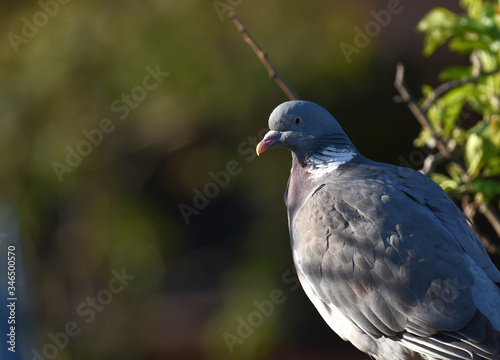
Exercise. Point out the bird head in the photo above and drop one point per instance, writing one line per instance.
(304, 128)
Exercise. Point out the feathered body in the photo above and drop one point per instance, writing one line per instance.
(389, 261)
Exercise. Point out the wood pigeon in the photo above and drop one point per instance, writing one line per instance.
(386, 257)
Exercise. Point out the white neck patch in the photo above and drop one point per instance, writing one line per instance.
(327, 160)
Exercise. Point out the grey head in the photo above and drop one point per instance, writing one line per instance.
(305, 128)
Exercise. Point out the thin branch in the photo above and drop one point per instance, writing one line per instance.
(413, 106)
(447, 86)
(430, 163)
(422, 118)
(470, 208)
(493, 217)
(489, 245)
(273, 73)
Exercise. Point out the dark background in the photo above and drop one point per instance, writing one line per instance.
(117, 210)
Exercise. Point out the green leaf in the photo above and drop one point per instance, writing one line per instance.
(482, 25)
(473, 154)
(479, 149)
(492, 166)
(455, 73)
(489, 150)
(451, 113)
(475, 104)
(465, 46)
(487, 187)
(437, 18)
(426, 90)
(452, 104)
(443, 114)
(458, 135)
(444, 181)
(438, 25)
(455, 172)
(485, 131)
(489, 61)
(473, 7)
(423, 138)
(435, 115)
(494, 131)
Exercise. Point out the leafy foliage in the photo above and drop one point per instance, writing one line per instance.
(470, 92)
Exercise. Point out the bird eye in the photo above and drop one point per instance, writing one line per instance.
(297, 120)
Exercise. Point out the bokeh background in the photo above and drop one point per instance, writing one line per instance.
(187, 282)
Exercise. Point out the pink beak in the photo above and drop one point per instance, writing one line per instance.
(271, 138)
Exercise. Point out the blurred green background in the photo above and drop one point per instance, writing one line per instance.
(84, 199)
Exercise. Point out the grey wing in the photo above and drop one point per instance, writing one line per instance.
(448, 214)
(395, 273)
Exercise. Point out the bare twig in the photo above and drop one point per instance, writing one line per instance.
(414, 108)
(470, 208)
(422, 118)
(273, 73)
(489, 245)
(430, 163)
(490, 213)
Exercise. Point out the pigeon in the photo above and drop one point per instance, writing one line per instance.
(386, 257)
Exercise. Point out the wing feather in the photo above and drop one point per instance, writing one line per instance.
(391, 260)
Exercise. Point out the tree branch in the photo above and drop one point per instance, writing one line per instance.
(493, 217)
(430, 163)
(470, 208)
(273, 73)
(422, 118)
(490, 247)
